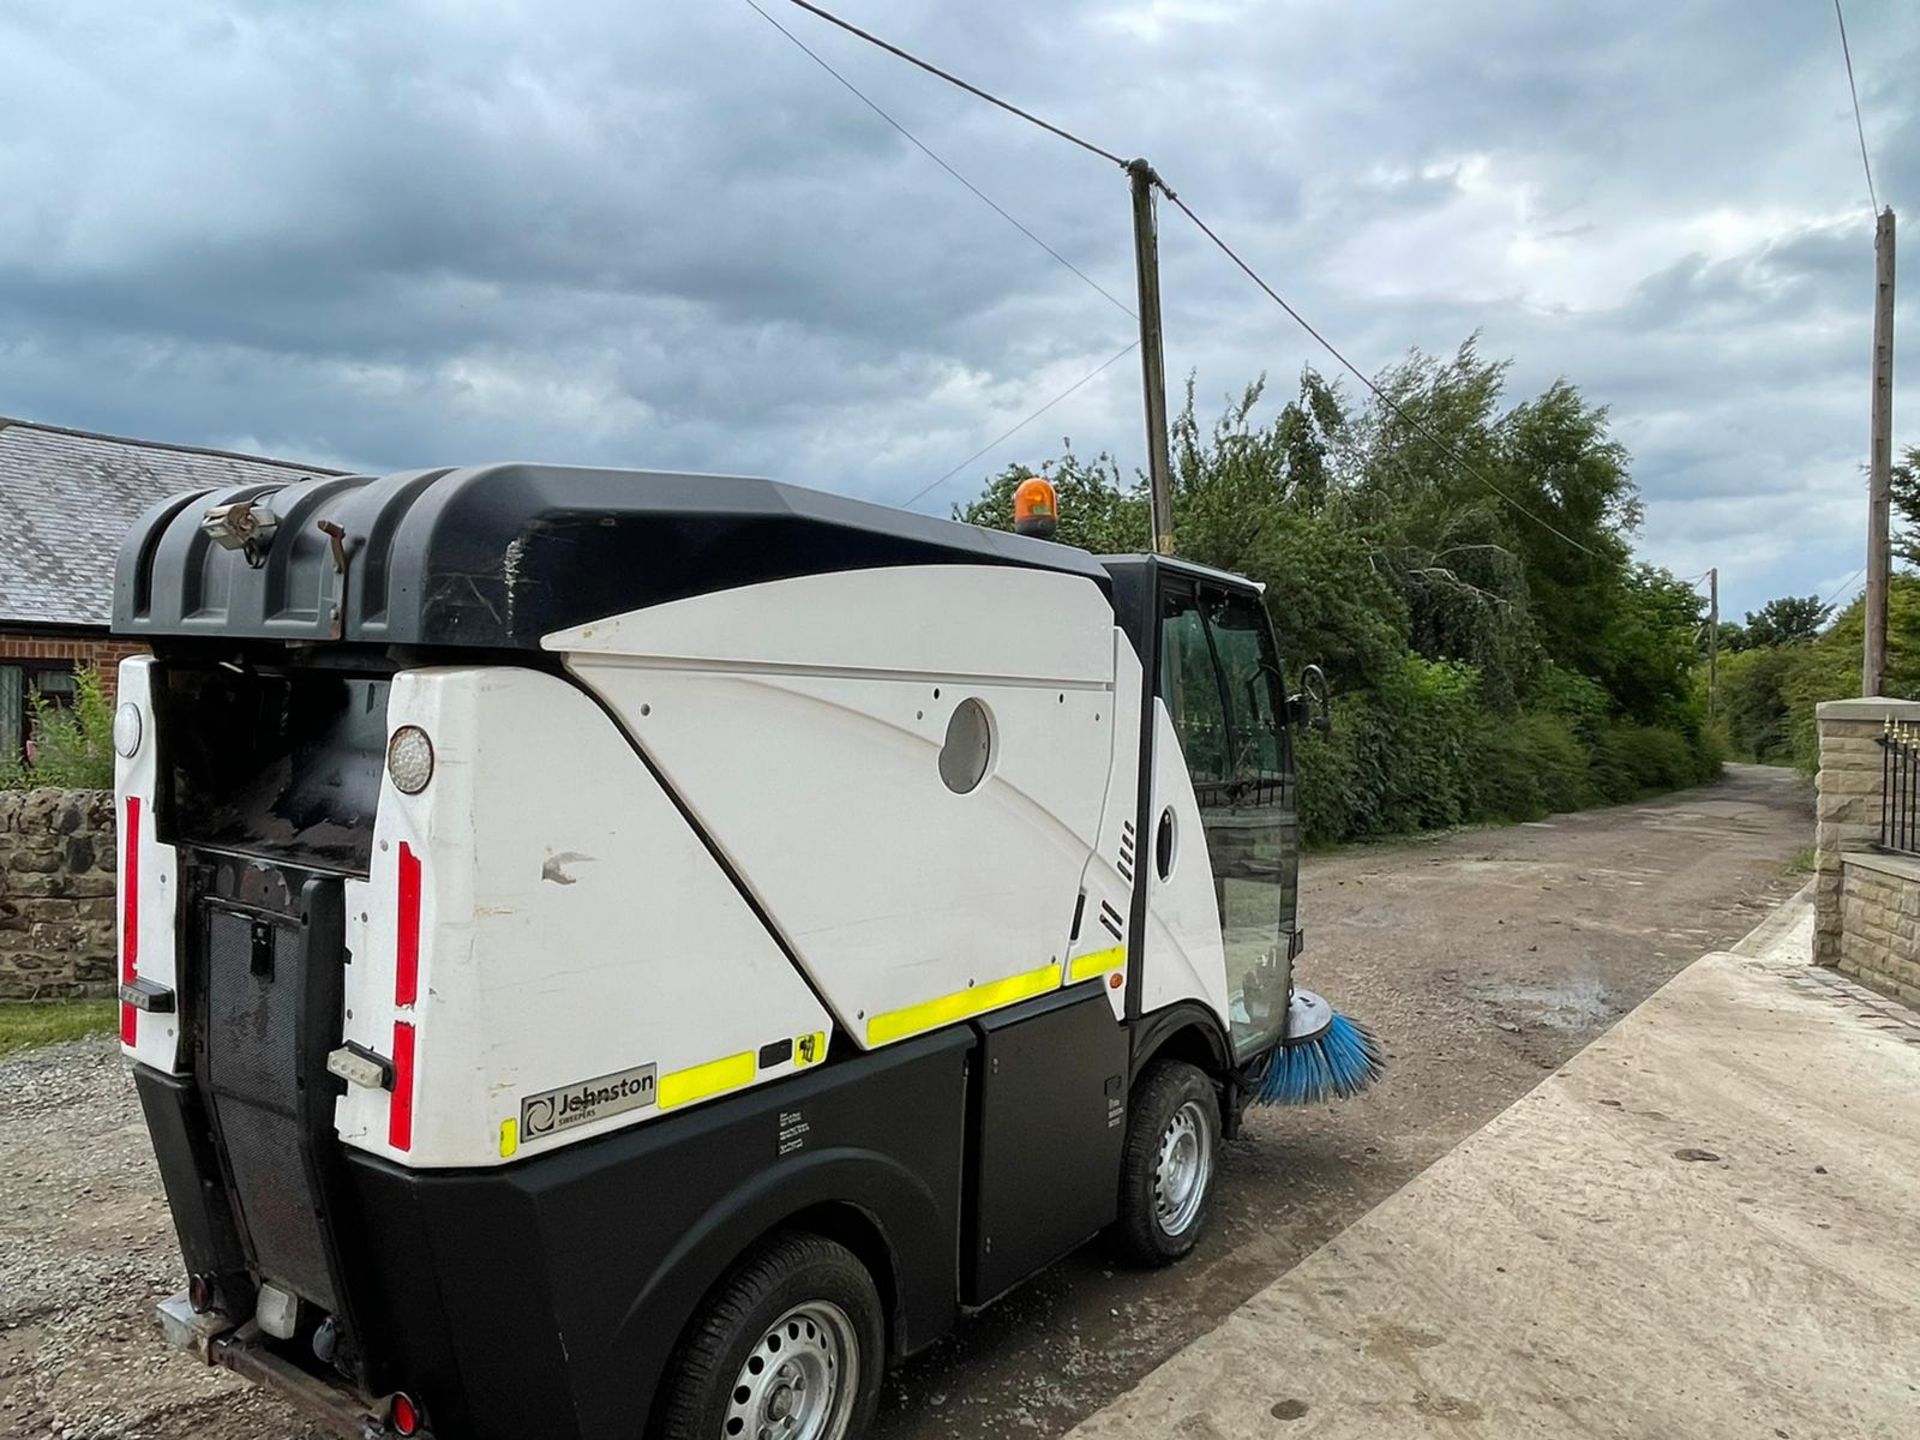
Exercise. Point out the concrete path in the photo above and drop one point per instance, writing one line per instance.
(1706, 1224)
(1484, 961)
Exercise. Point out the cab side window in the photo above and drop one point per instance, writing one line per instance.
(1221, 682)
(1190, 687)
(1250, 671)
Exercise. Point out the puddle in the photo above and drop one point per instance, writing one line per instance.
(1580, 1003)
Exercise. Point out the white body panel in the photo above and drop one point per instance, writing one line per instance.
(156, 1036)
(801, 721)
(572, 928)
(953, 621)
(1186, 957)
(1100, 949)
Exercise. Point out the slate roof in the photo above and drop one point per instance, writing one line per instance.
(68, 497)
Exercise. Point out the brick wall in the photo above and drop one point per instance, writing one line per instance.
(57, 883)
(82, 649)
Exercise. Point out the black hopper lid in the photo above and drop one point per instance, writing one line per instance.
(499, 555)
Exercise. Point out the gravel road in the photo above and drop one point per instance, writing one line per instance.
(1483, 959)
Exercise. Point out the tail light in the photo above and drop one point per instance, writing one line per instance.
(130, 917)
(403, 1415)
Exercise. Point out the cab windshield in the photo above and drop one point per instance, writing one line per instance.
(1221, 681)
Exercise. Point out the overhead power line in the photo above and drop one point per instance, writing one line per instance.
(928, 151)
(1854, 90)
(1446, 448)
(955, 80)
(1386, 399)
(1844, 585)
(1104, 365)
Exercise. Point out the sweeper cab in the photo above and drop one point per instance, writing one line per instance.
(610, 954)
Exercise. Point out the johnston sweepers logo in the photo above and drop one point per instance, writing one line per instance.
(555, 1110)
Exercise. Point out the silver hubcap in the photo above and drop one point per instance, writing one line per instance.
(1184, 1170)
(799, 1381)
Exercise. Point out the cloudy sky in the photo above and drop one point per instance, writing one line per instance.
(386, 234)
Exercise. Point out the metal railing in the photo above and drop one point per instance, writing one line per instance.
(1900, 788)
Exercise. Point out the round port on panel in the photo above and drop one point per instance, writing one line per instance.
(410, 759)
(126, 729)
(967, 754)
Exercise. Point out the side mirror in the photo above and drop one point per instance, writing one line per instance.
(1311, 707)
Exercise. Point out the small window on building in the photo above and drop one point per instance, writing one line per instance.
(54, 684)
(47, 682)
(13, 714)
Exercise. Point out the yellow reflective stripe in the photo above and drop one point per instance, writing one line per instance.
(1098, 963)
(975, 1000)
(509, 1138)
(700, 1081)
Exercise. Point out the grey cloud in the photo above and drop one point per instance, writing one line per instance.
(387, 234)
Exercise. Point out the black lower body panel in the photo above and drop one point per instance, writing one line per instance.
(546, 1297)
(190, 1173)
(1048, 1118)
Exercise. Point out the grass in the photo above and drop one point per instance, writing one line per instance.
(26, 1024)
(1802, 862)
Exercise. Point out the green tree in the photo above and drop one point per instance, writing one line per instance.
(1754, 707)
(1496, 650)
(72, 745)
(1829, 668)
(1904, 489)
(1099, 512)
(1790, 620)
(1645, 650)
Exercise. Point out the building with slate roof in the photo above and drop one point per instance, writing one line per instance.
(67, 497)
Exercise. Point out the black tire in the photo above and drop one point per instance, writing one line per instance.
(788, 1273)
(1145, 1232)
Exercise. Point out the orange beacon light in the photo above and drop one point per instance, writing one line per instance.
(1036, 509)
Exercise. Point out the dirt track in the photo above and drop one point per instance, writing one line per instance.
(1482, 959)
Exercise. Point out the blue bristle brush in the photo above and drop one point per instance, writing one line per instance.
(1325, 1056)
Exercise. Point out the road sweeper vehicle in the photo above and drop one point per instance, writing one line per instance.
(617, 954)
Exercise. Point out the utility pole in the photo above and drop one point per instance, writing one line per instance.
(1153, 365)
(1713, 639)
(1880, 460)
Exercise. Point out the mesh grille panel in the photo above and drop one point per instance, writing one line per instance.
(253, 1056)
(252, 1020)
(270, 1186)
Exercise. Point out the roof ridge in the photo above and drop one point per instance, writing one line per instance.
(206, 450)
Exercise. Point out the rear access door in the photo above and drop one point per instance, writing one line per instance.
(265, 943)
(269, 790)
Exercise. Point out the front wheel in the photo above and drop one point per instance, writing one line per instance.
(788, 1347)
(1167, 1167)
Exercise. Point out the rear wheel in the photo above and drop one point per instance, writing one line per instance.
(1167, 1167)
(788, 1347)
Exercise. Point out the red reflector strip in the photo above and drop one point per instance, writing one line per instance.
(406, 982)
(400, 1109)
(130, 916)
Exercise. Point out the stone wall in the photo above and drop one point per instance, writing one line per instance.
(57, 883)
(1866, 905)
(1880, 924)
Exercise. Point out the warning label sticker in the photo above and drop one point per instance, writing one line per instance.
(794, 1130)
(552, 1111)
